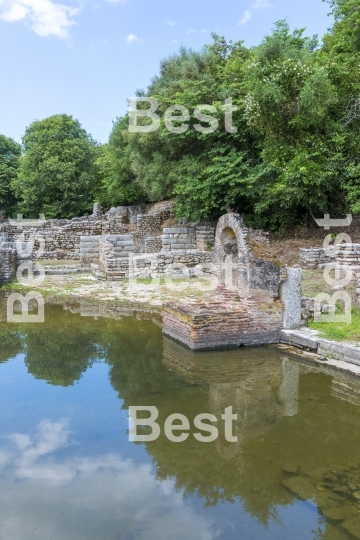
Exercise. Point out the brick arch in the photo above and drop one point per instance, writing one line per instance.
(230, 238)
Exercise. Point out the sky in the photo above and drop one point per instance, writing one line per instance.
(87, 57)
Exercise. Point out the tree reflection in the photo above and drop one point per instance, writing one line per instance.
(61, 350)
(260, 384)
(10, 341)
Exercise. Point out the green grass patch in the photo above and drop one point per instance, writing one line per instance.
(340, 331)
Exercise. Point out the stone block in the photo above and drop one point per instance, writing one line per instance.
(291, 296)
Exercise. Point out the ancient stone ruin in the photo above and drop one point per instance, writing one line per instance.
(7, 259)
(123, 243)
(252, 297)
(253, 301)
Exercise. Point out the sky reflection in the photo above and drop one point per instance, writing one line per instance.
(100, 497)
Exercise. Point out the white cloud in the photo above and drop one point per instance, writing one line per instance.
(204, 30)
(190, 31)
(117, 1)
(43, 16)
(170, 23)
(261, 4)
(246, 17)
(48, 494)
(131, 38)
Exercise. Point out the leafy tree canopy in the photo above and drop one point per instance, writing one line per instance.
(57, 175)
(10, 152)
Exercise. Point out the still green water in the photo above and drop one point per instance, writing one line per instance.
(69, 472)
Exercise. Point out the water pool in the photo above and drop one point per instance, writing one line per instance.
(69, 472)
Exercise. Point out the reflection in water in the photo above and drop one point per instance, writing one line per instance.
(108, 496)
(260, 389)
(291, 417)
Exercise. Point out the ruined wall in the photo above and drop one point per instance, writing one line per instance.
(63, 236)
(89, 249)
(7, 262)
(257, 279)
(224, 322)
(118, 265)
(246, 308)
(348, 255)
(205, 237)
(313, 257)
(114, 255)
(175, 238)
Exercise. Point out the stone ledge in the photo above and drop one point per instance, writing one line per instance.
(344, 352)
(300, 338)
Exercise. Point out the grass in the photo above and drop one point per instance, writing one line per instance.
(340, 331)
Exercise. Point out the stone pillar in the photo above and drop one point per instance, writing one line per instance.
(97, 212)
(290, 293)
(7, 263)
(4, 237)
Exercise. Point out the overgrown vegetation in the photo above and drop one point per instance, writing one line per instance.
(340, 331)
(295, 153)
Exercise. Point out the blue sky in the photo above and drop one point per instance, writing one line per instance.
(86, 57)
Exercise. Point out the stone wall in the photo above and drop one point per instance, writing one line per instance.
(348, 255)
(205, 237)
(153, 244)
(7, 262)
(224, 322)
(62, 237)
(89, 249)
(175, 238)
(313, 257)
(119, 266)
(114, 255)
(257, 279)
(247, 310)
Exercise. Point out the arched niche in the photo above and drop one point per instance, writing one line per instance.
(231, 254)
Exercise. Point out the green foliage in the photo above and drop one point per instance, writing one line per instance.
(295, 154)
(56, 175)
(292, 156)
(117, 181)
(10, 152)
(291, 101)
(340, 331)
(342, 48)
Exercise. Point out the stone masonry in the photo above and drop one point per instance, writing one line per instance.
(253, 297)
(313, 257)
(246, 311)
(7, 259)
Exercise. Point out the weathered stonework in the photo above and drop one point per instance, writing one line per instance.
(256, 279)
(7, 262)
(245, 309)
(63, 238)
(348, 255)
(313, 257)
(205, 237)
(179, 238)
(224, 322)
(290, 292)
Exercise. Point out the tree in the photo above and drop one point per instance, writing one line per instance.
(10, 152)
(291, 100)
(117, 180)
(342, 48)
(206, 172)
(56, 175)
